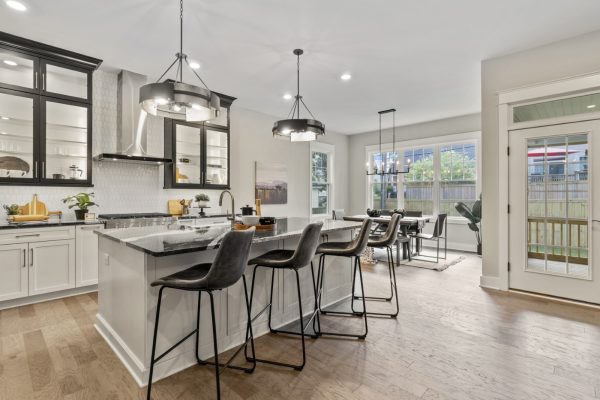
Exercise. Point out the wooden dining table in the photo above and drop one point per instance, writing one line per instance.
(417, 223)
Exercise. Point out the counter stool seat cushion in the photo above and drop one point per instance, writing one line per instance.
(188, 279)
(275, 259)
(337, 248)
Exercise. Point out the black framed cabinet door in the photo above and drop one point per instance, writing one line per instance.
(19, 142)
(216, 154)
(65, 81)
(65, 145)
(19, 71)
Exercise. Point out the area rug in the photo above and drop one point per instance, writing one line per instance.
(452, 259)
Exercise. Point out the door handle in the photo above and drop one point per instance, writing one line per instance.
(596, 220)
(31, 257)
(35, 84)
(35, 169)
(43, 169)
(43, 81)
(30, 235)
(24, 257)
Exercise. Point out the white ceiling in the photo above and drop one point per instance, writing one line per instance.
(421, 57)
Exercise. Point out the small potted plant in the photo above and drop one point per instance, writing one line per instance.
(12, 209)
(83, 201)
(202, 199)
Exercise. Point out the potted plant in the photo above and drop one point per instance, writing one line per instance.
(83, 201)
(202, 199)
(12, 209)
(473, 215)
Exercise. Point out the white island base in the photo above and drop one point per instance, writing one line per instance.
(127, 303)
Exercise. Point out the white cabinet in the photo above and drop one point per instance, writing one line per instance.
(86, 255)
(13, 271)
(52, 266)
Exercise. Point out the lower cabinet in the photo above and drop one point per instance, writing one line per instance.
(86, 255)
(52, 266)
(14, 271)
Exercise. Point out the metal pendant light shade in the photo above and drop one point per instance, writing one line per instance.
(298, 129)
(178, 100)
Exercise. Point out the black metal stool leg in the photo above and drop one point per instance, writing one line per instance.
(393, 288)
(200, 361)
(249, 327)
(271, 300)
(215, 345)
(148, 396)
(352, 296)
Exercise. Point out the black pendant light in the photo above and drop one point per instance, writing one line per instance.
(295, 128)
(393, 168)
(175, 99)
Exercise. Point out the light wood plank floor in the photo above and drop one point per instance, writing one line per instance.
(452, 340)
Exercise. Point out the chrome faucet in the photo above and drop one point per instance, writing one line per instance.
(232, 205)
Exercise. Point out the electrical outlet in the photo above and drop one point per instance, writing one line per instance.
(106, 259)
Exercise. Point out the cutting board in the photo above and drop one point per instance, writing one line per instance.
(35, 210)
(176, 208)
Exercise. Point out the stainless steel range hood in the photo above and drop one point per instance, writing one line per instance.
(131, 127)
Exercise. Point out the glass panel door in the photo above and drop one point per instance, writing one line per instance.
(17, 147)
(66, 142)
(557, 217)
(65, 81)
(217, 157)
(17, 70)
(188, 161)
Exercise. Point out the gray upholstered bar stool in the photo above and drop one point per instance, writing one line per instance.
(227, 268)
(352, 250)
(290, 260)
(386, 241)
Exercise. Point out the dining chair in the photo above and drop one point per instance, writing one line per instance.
(439, 232)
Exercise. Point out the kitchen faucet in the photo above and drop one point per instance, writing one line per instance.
(232, 205)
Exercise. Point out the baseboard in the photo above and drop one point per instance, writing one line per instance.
(40, 298)
(490, 282)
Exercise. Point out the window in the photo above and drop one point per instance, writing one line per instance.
(458, 172)
(321, 179)
(440, 175)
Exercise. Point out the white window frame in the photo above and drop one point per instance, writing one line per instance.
(319, 147)
(436, 143)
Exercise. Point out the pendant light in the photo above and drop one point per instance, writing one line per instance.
(393, 168)
(176, 99)
(295, 128)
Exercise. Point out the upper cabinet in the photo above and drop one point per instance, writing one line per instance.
(45, 114)
(200, 151)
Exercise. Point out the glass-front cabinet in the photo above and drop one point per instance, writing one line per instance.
(45, 114)
(200, 151)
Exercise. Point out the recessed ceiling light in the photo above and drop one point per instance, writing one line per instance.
(287, 96)
(591, 106)
(346, 77)
(16, 5)
(10, 62)
(4, 118)
(194, 65)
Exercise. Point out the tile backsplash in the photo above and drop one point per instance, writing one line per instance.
(118, 187)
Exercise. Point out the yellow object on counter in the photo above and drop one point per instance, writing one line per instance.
(257, 207)
(28, 218)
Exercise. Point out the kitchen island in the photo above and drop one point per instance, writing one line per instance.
(130, 259)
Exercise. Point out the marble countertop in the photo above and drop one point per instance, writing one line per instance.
(165, 240)
(53, 221)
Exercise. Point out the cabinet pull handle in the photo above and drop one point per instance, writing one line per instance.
(29, 235)
(31, 257)
(35, 169)
(43, 169)
(24, 257)
(89, 228)
(35, 84)
(44, 81)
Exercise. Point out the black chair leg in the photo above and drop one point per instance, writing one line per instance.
(152, 361)
(352, 296)
(249, 327)
(393, 288)
(271, 300)
(215, 345)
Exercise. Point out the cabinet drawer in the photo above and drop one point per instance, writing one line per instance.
(25, 235)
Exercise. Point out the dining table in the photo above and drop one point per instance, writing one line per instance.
(416, 224)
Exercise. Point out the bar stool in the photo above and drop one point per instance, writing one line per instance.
(225, 270)
(351, 250)
(291, 260)
(387, 240)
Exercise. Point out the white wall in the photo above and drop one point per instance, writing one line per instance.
(139, 188)
(459, 235)
(563, 59)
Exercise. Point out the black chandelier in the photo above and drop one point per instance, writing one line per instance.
(176, 99)
(297, 129)
(392, 167)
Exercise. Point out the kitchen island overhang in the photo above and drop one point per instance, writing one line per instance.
(130, 259)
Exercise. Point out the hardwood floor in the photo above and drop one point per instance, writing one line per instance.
(451, 340)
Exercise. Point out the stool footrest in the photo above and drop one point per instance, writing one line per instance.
(157, 359)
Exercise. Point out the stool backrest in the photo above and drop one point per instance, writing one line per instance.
(231, 259)
(307, 246)
(440, 223)
(391, 233)
(360, 243)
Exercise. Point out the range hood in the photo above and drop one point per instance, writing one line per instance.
(131, 127)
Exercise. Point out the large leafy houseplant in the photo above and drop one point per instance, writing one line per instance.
(473, 215)
(83, 201)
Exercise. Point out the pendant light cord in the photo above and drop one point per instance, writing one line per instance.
(180, 40)
(296, 106)
(298, 83)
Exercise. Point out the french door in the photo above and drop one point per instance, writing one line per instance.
(554, 211)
